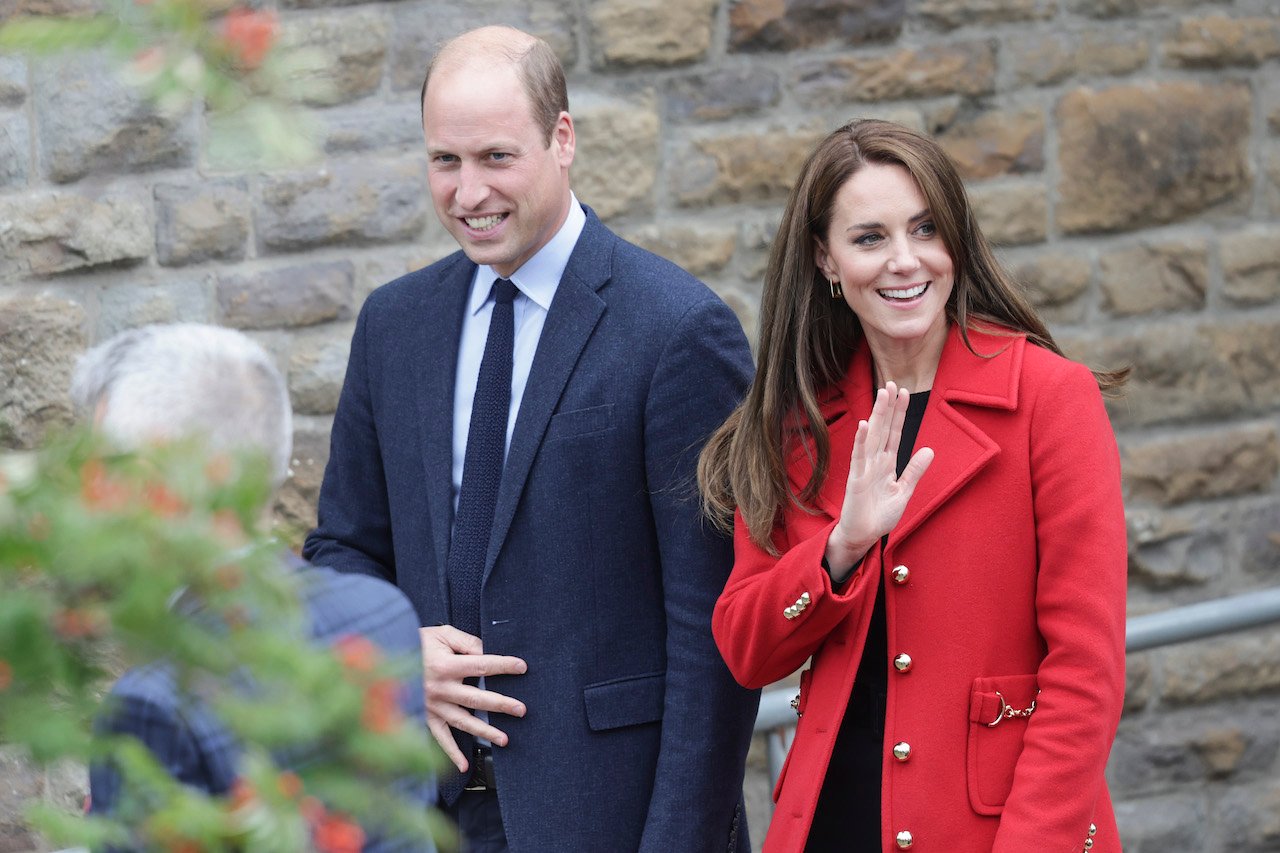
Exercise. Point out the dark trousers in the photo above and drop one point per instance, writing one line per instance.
(480, 822)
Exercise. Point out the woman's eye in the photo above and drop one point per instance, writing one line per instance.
(927, 229)
(867, 240)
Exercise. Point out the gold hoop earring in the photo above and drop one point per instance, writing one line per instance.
(837, 292)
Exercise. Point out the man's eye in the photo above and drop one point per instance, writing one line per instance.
(500, 156)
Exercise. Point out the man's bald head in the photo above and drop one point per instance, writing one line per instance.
(536, 64)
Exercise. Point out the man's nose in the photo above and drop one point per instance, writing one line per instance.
(473, 188)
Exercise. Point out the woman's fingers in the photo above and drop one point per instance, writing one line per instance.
(915, 469)
(858, 461)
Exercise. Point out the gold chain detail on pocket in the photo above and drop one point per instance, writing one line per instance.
(1008, 712)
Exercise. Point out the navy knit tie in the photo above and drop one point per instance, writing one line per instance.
(482, 467)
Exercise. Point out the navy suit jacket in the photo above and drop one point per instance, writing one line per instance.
(189, 740)
(600, 573)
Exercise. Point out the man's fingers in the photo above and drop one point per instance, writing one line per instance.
(440, 731)
(465, 695)
(453, 638)
(458, 667)
(457, 717)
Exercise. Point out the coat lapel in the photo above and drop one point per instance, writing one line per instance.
(574, 313)
(435, 361)
(961, 448)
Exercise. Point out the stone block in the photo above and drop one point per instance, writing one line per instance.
(955, 69)
(1174, 823)
(343, 202)
(722, 93)
(998, 142)
(746, 306)
(698, 249)
(317, 366)
(631, 33)
(13, 80)
(1012, 214)
(756, 25)
(1187, 559)
(90, 121)
(1217, 41)
(1138, 682)
(174, 300)
(345, 51)
(755, 237)
(295, 507)
(40, 339)
(289, 296)
(737, 167)
(1199, 372)
(1260, 541)
(366, 127)
(1251, 265)
(950, 14)
(417, 27)
(1108, 52)
(1055, 283)
(1125, 8)
(59, 232)
(1250, 817)
(1271, 164)
(1237, 666)
(1230, 461)
(1154, 277)
(1042, 60)
(1134, 156)
(615, 167)
(15, 149)
(201, 222)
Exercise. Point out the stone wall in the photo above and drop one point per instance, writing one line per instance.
(1124, 154)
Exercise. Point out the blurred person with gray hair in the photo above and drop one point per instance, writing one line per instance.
(168, 382)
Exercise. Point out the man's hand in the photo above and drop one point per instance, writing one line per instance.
(450, 656)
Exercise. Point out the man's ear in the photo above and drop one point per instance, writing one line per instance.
(564, 140)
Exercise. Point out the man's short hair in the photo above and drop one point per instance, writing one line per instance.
(173, 381)
(540, 72)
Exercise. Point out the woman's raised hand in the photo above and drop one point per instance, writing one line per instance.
(874, 496)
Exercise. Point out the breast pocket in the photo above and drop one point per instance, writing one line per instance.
(623, 702)
(580, 422)
(999, 708)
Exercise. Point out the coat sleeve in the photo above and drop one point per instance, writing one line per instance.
(751, 625)
(707, 718)
(1080, 610)
(353, 531)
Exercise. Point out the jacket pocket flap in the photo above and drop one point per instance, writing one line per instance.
(625, 701)
(580, 422)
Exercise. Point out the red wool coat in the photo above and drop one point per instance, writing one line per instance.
(1004, 581)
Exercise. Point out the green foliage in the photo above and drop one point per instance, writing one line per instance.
(181, 52)
(110, 559)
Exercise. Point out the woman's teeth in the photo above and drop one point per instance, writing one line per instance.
(904, 293)
(482, 223)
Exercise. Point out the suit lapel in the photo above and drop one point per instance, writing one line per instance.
(574, 313)
(435, 361)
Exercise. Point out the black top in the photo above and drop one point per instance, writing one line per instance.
(848, 814)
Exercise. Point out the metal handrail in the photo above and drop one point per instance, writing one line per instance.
(1148, 631)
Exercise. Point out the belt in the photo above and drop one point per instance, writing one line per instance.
(482, 777)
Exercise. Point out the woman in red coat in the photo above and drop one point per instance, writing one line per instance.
(962, 606)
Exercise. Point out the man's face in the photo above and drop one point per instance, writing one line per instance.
(497, 186)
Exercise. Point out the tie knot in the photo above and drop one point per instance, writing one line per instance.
(503, 291)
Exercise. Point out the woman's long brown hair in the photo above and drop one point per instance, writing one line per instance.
(807, 338)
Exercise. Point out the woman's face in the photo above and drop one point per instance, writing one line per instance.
(884, 249)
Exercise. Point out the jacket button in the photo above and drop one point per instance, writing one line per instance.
(1093, 830)
(790, 612)
(904, 839)
(1088, 844)
(902, 750)
(900, 574)
(902, 662)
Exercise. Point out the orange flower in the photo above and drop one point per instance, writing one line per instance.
(249, 35)
(76, 623)
(289, 783)
(356, 652)
(98, 490)
(162, 501)
(242, 793)
(380, 713)
(6, 675)
(148, 61)
(229, 577)
(336, 834)
(227, 527)
(218, 469)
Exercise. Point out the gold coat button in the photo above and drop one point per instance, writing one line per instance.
(902, 750)
(904, 839)
(902, 662)
(900, 574)
(1093, 830)
(790, 612)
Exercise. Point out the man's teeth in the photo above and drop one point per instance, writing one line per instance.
(482, 223)
(905, 293)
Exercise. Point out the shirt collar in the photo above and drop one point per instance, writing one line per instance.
(539, 276)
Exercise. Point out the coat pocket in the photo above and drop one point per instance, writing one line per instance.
(998, 711)
(627, 701)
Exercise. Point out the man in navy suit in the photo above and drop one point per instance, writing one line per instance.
(172, 381)
(566, 590)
